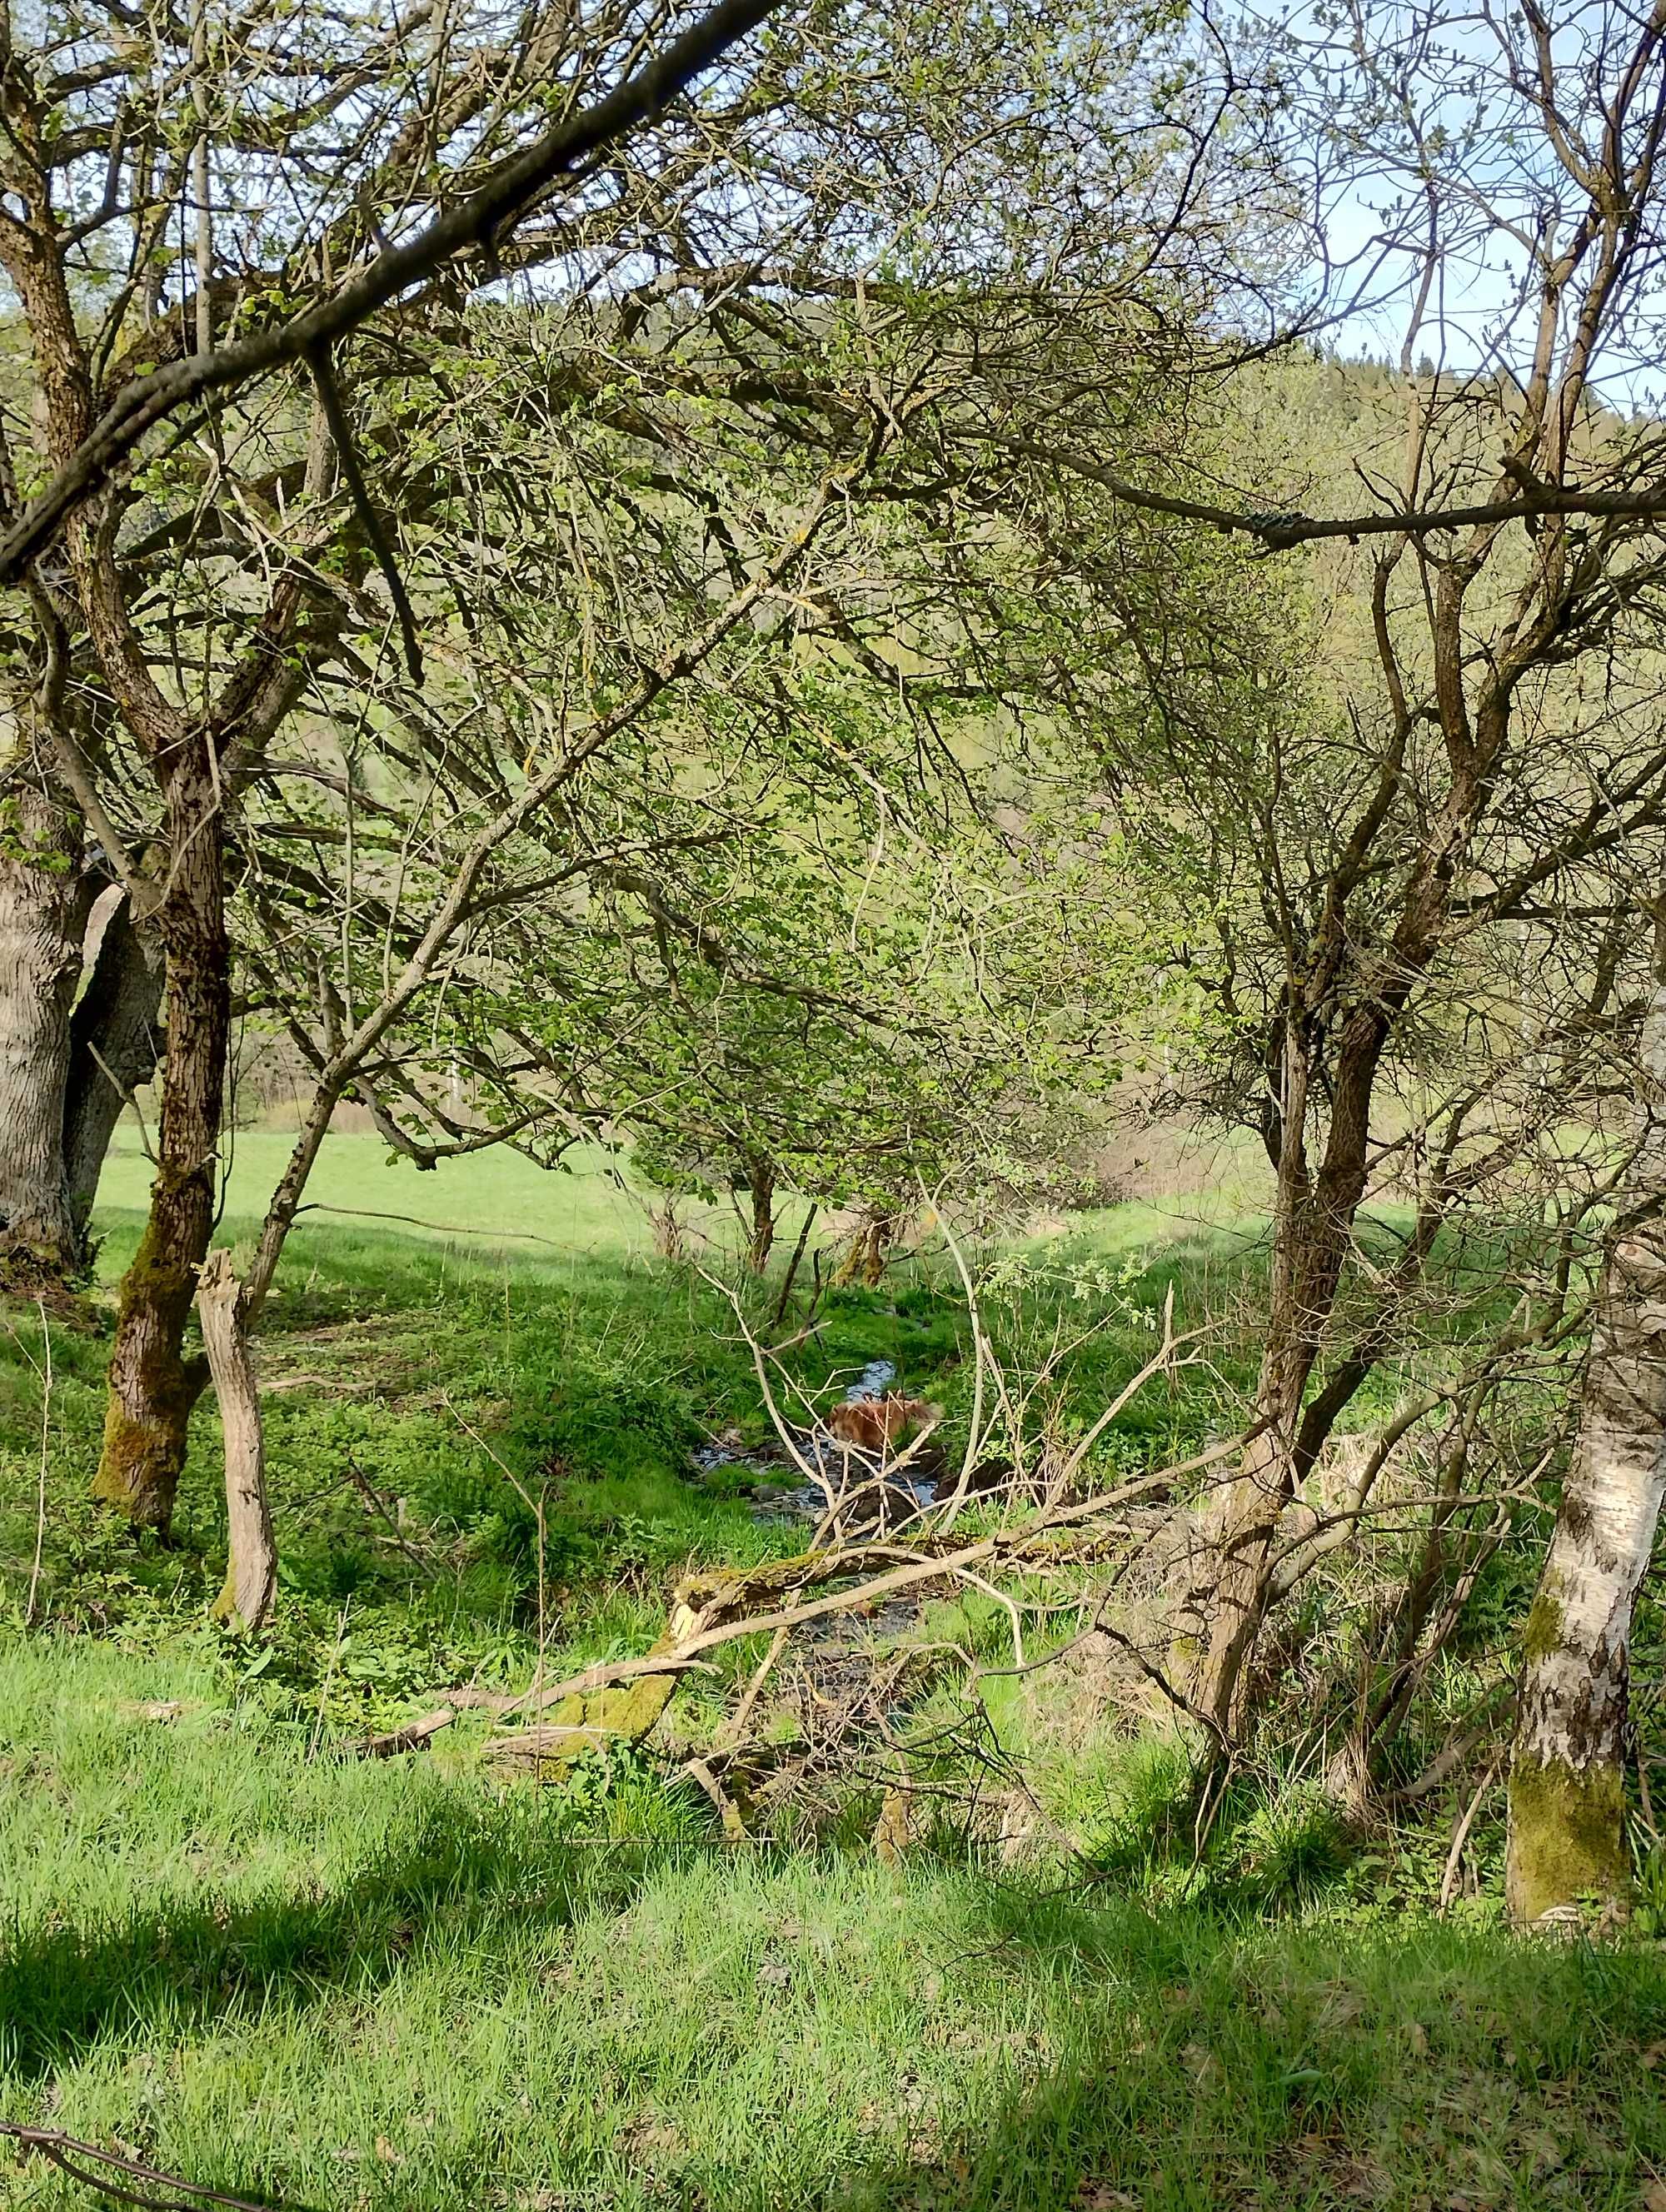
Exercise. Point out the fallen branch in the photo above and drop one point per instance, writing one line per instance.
(716, 1610)
(64, 2152)
(411, 1737)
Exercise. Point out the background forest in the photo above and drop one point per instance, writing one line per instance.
(832, 1106)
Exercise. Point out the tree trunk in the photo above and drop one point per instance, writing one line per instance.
(114, 1045)
(1313, 1224)
(1567, 1838)
(153, 1386)
(43, 909)
(869, 1253)
(761, 1185)
(251, 1583)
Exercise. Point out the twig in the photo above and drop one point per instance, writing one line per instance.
(341, 430)
(734, 1828)
(329, 1677)
(793, 1266)
(1646, 1801)
(438, 1228)
(1449, 1879)
(411, 1737)
(730, 1732)
(975, 1436)
(128, 1097)
(537, 1507)
(372, 1497)
(63, 2150)
(1155, 1675)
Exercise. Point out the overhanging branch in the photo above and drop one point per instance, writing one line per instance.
(473, 224)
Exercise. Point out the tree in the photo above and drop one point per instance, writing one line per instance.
(820, 317)
(1567, 1778)
(103, 131)
(1442, 826)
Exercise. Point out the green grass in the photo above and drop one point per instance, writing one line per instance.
(491, 1198)
(358, 1985)
(271, 1967)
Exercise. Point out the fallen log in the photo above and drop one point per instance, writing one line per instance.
(411, 1737)
(712, 1609)
(585, 1720)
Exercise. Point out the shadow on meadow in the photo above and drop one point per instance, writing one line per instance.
(1063, 2052)
(462, 1875)
(1247, 2063)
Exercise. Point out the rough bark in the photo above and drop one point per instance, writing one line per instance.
(1313, 1222)
(153, 1384)
(245, 1599)
(761, 1189)
(1567, 1840)
(1315, 1211)
(113, 1046)
(43, 907)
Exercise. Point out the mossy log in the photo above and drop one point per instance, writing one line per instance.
(586, 1721)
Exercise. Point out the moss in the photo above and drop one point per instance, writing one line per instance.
(138, 1470)
(139, 1467)
(1544, 1626)
(30, 1269)
(587, 1721)
(1567, 1838)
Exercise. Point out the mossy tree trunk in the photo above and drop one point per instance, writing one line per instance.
(1567, 1837)
(44, 902)
(153, 1384)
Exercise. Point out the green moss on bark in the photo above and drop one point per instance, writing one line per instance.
(1544, 1626)
(139, 1467)
(1568, 1839)
(589, 1721)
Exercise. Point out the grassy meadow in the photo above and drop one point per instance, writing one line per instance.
(272, 1968)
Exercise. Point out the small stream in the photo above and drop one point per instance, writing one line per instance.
(785, 1500)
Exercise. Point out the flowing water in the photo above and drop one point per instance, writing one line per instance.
(788, 1500)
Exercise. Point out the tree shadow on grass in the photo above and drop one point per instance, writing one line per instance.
(1179, 2061)
(1203, 2065)
(64, 1986)
(1245, 2063)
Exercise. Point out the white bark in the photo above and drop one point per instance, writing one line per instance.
(1567, 1844)
(251, 1549)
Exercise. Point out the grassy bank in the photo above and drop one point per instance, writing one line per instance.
(272, 1967)
(383, 1986)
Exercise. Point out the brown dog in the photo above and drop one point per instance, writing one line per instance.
(875, 1425)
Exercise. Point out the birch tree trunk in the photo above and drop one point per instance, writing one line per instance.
(1567, 1835)
(245, 1599)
